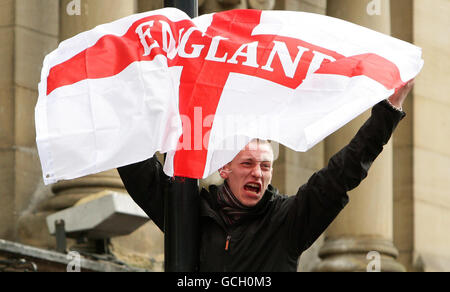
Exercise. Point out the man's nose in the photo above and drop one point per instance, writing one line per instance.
(257, 171)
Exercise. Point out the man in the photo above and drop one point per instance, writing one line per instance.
(246, 225)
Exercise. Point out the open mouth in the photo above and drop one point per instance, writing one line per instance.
(253, 188)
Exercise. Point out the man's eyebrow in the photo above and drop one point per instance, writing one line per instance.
(253, 159)
(247, 158)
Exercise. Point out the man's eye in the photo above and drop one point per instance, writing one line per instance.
(246, 163)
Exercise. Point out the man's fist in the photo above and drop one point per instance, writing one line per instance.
(400, 95)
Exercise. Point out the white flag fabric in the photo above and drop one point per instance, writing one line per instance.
(200, 89)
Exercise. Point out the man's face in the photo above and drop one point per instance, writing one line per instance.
(250, 172)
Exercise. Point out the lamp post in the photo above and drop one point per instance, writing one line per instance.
(181, 217)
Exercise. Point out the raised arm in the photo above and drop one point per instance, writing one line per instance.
(146, 183)
(320, 200)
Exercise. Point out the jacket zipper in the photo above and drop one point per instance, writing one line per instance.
(227, 243)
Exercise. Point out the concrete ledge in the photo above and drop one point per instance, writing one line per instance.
(51, 261)
(108, 216)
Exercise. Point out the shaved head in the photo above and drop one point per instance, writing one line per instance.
(250, 172)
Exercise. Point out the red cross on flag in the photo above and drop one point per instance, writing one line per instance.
(200, 89)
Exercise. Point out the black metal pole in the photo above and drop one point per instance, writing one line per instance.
(190, 7)
(181, 217)
(181, 226)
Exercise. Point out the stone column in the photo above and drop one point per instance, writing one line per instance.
(366, 224)
(261, 4)
(36, 35)
(209, 6)
(316, 6)
(7, 24)
(402, 28)
(73, 20)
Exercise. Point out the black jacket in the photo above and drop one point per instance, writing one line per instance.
(279, 228)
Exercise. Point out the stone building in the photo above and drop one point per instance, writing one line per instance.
(401, 211)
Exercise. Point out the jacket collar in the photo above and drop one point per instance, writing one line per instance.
(209, 206)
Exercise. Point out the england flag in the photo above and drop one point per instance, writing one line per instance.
(200, 89)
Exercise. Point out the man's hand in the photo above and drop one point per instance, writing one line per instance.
(400, 95)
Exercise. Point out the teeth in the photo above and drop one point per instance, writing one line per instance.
(252, 187)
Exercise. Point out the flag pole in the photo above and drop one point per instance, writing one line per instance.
(181, 206)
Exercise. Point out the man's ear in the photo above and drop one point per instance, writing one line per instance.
(224, 171)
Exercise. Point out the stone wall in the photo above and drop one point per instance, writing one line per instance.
(7, 28)
(405, 203)
(431, 139)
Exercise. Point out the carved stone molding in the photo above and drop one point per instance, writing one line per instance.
(210, 6)
(262, 4)
(351, 254)
(90, 184)
(229, 2)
